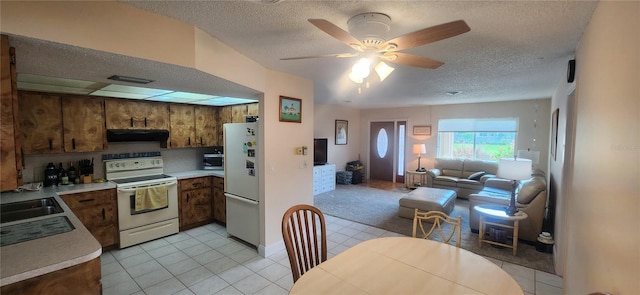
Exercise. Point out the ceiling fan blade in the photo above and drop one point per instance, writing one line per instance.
(321, 56)
(425, 36)
(411, 60)
(338, 33)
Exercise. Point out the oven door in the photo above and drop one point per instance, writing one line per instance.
(129, 217)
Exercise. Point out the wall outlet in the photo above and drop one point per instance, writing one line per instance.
(304, 150)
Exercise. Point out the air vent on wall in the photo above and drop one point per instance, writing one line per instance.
(130, 79)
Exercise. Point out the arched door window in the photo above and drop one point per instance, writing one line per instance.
(382, 143)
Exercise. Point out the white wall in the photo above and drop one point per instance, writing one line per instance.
(603, 239)
(526, 110)
(324, 127)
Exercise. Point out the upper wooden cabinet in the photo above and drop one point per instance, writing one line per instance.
(40, 122)
(182, 122)
(83, 123)
(10, 143)
(235, 114)
(207, 126)
(133, 114)
(54, 124)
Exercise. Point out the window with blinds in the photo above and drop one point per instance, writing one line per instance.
(481, 139)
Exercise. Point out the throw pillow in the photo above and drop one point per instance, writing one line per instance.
(476, 176)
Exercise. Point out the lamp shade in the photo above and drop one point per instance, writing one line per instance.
(419, 148)
(515, 169)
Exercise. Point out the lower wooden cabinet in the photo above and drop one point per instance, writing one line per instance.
(98, 212)
(195, 202)
(219, 200)
(83, 278)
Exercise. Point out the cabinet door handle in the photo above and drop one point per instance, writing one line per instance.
(86, 200)
(196, 184)
(103, 214)
(50, 144)
(131, 120)
(73, 143)
(201, 143)
(189, 141)
(145, 121)
(187, 198)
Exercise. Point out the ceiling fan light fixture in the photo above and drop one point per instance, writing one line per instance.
(370, 28)
(383, 70)
(355, 79)
(361, 68)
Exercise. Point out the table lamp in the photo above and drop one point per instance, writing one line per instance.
(514, 169)
(420, 148)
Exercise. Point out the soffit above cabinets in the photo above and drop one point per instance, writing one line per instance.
(69, 86)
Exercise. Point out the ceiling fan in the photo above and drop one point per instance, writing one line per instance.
(368, 36)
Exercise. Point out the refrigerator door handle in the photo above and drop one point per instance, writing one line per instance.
(241, 199)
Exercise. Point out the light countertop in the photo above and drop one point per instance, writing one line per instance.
(197, 173)
(33, 258)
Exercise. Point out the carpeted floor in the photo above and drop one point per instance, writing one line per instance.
(379, 208)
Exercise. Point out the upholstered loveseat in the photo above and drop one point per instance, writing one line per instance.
(531, 198)
(461, 175)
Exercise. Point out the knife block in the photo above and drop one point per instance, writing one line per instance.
(87, 178)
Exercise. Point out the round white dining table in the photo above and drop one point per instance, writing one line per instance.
(405, 265)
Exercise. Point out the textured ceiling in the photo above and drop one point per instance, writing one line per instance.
(515, 49)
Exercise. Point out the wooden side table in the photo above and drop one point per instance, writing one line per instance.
(409, 179)
(497, 212)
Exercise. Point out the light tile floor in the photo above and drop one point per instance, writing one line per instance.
(205, 261)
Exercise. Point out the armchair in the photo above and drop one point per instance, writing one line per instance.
(531, 198)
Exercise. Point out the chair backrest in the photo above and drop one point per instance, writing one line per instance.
(437, 220)
(305, 238)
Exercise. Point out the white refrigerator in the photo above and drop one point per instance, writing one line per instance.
(241, 169)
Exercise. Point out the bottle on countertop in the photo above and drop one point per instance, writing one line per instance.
(73, 174)
(63, 177)
(50, 175)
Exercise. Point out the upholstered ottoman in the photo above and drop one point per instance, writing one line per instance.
(427, 199)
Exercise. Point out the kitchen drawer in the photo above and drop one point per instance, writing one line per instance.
(87, 199)
(194, 183)
(218, 182)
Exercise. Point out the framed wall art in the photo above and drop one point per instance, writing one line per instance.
(290, 109)
(342, 131)
(422, 130)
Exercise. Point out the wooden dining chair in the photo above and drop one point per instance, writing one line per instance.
(437, 220)
(305, 238)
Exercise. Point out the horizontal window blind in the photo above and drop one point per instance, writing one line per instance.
(478, 125)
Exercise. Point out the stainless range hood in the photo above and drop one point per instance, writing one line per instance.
(133, 135)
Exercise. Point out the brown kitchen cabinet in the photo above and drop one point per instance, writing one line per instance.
(206, 126)
(98, 212)
(83, 278)
(10, 136)
(52, 123)
(182, 124)
(235, 114)
(219, 200)
(133, 114)
(195, 202)
(40, 122)
(83, 123)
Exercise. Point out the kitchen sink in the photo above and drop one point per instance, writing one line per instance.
(29, 209)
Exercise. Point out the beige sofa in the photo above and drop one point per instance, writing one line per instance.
(461, 175)
(531, 198)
